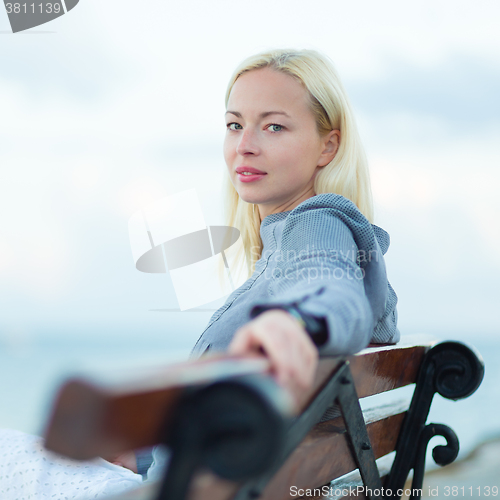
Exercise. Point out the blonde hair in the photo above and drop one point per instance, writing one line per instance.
(347, 174)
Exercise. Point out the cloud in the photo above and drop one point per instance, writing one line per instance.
(461, 91)
(124, 103)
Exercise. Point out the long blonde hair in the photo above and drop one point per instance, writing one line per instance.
(347, 174)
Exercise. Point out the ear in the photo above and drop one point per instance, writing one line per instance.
(331, 143)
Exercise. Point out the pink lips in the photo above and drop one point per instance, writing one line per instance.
(257, 174)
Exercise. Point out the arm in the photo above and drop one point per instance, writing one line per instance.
(332, 270)
(331, 267)
(283, 339)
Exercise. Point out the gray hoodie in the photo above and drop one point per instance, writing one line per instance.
(327, 257)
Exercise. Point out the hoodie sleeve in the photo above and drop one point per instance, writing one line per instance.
(332, 267)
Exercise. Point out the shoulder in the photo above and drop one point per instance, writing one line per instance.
(325, 203)
(329, 206)
(328, 216)
(322, 212)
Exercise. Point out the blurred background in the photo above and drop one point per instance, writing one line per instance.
(120, 103)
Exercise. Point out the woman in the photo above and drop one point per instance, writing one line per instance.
(298, 190)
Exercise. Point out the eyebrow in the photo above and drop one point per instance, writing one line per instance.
(262, 115)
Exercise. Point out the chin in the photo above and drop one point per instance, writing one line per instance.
(250, 197)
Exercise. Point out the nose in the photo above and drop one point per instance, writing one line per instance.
(248, 143)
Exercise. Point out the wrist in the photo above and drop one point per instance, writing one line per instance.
(316, 328)
(295, 314)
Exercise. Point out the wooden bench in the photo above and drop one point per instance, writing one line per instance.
(234, 435)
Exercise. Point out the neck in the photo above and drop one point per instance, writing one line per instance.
(266, 209)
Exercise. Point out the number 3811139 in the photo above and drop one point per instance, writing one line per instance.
(479, 491)
(32, 8)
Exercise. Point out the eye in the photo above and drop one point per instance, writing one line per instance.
(230, 126)
(274, 130)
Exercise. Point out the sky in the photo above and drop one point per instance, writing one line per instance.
(119, 103)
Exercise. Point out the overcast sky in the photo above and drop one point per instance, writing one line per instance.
(119, 103)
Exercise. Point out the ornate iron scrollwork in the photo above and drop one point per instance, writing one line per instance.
(455, 371)
(442, 455)
(237, 429)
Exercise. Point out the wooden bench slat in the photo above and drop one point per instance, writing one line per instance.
(324, 454)
(94, 420)
(383, 370)
(97, 419)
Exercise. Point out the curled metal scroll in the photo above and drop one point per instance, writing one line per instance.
(442, 455)
(459, 369)
(454, 370)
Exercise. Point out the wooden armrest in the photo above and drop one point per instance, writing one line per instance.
(92, 419)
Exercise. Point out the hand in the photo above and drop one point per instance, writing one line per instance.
(127, 460)
(293, 356)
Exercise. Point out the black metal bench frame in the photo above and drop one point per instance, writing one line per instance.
(235, 427)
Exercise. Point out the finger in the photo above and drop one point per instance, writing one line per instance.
(282, 352)
(303, 352)
(242, 342)
(292, 355)
(301, 359)
(308, 361)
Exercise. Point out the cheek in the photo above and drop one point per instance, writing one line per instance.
(307, 153)
(295, 156)
(227, 150)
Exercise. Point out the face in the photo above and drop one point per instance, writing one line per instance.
(272, 131)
